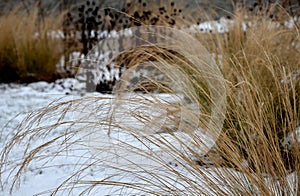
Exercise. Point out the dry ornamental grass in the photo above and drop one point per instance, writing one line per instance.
(256, 153)
(30, 47)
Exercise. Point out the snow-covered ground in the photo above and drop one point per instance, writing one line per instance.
(17, 101)
(97, 155)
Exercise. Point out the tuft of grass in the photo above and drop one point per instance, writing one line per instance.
(29, 49)
(261, 66)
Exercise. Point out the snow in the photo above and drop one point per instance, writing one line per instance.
(223, 25)
(117, 152)
(42, 176)
(119, 149)
(21, 98)
(17, 101)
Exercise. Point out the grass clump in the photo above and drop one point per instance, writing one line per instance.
(30, 46)
(261, 66)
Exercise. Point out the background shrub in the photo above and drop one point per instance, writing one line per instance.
(30, 45)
